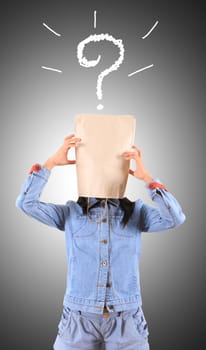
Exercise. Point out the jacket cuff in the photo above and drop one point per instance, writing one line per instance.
(41, 170)
(155, 184)
(35, 167)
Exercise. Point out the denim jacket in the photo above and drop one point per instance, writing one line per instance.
(103, 257)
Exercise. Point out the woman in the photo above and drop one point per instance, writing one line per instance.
(102, 302)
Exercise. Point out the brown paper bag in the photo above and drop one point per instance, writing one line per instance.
(101, 170)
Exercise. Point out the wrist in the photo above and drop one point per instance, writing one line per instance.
(49, 164)
(147, 178)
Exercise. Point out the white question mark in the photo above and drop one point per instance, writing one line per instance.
(85, 63)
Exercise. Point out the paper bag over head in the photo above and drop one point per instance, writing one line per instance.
(102, 172)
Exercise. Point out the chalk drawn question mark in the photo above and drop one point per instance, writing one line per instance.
(92, 63)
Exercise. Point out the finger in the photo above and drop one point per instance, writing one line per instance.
(73, 144)
(126, 156)
(139, 151)
(69, 137)
(129, 152)
(136, 147)
(73, 139)
(126, 153)
(129, 155)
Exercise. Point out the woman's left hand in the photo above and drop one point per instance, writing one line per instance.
(140, 172)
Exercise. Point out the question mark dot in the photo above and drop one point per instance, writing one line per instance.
(99, 107)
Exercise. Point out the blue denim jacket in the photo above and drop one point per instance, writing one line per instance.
(103, 257)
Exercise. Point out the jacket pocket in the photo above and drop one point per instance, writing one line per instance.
(83, 227)
(129, 231)
(140, 323)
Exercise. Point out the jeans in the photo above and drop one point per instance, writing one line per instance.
(80, 330)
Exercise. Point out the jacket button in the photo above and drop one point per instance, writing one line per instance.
(104, 263)
(104, 241)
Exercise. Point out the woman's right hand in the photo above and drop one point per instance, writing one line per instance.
(60, 156)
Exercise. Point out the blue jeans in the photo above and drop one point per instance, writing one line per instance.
(80, 330)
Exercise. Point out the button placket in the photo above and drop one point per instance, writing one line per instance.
(103, 256)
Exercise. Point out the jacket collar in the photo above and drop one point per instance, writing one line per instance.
(96, 201)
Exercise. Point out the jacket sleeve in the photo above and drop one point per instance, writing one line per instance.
(28, 201)
(167, 213)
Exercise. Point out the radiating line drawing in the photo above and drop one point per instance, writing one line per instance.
(150, 31)
(53, 69)
(51, 30)
(95, 18)
(140, 70)
(92, 63)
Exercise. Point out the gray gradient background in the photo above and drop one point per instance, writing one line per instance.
(37, 110)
